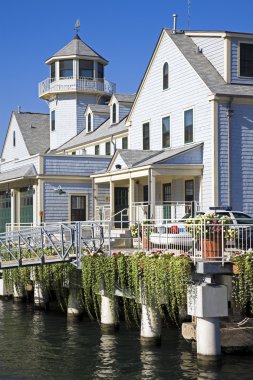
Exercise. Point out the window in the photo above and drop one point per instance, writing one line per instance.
(145, 134)
(78, 207)
(188, 126)
(246, 60)
(53, 121)
(114, 113)
(14, 138)
(53, 71)
(66, 69)
(73, 153)
(189, 190)
(166, 131)
(108, 148)
(165, 76)
(86, 69)
(124, 142)
(100, 70)
(96, 150)
(89, 123)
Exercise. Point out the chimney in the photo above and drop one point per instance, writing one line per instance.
(174, 30)
(19, 109)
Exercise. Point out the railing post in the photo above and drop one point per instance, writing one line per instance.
(109, 237)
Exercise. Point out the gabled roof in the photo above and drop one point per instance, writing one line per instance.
(26, 171)
(134, 158)
(35, 129)
(78, 48)
(99, 108)
(205, 69)
(124, 98)
(103, 131)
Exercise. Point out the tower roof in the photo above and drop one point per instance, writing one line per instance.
(77, 48)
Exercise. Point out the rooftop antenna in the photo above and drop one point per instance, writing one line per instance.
(77, 25)
(188, 13)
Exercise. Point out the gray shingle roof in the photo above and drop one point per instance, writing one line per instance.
(105, 130)
(165, 154)
(35, 129)
(205, 69)
(26, 171)
(132, 157)
(78, 48)
(125, 98)
(99, 108)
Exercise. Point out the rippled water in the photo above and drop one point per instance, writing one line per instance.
(38, 345)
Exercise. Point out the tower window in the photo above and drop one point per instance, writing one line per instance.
(145, 132)
(14, 138)
(108, 148)
(188, 126)
(89, 123)
(66, 69)
(53, 121)
(114, 113)
(52, 71)
(165, 76)
(85, 69)
(100, 70)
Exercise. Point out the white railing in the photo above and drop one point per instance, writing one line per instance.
(51, 85)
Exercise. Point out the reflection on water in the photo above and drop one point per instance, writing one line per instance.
(38, 345)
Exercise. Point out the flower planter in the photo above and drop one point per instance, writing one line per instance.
(212, 248)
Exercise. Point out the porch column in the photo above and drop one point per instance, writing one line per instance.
(111, 198)
(131, 200)
(151, 194)
(13, 207)
(95, 197)
(35, 218)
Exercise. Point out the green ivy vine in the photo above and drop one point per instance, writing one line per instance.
(243, 281)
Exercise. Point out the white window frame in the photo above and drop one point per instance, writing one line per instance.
(76, 194)
(193, 124)
(163, 117)
(239, 56)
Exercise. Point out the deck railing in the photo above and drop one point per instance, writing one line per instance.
(51, 85)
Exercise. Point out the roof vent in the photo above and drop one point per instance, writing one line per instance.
(174, 30)
(19, 109)
(199, 50)
(32, 126)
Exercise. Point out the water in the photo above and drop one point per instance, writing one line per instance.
(38, 345)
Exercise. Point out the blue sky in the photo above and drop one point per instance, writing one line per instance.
(124, 32)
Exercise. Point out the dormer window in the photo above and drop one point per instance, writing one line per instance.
(66, 69)
(165, 76)
(14, 138)
(114, 113)
(246, 60)
(100, 71)
(89, 123)
(52, 72)
(85, 69)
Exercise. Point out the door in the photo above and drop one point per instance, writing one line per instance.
(121, 203)
(166, 200)
(5, 209)
(26, 205)
(189, 195)
(78, 208)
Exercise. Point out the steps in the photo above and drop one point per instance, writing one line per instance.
(121, 238)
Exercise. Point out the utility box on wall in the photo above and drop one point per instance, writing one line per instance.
(207, 301)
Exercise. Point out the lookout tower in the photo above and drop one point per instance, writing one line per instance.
(76, 80)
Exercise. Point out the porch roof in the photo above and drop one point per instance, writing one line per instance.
(27, 171)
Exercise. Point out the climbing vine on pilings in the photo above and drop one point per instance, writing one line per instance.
(157, 279)
(243, 281)
(53, 277)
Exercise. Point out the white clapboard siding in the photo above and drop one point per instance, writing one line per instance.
(18, 151)
(186, 90)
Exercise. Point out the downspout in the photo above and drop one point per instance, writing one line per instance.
(229, 115)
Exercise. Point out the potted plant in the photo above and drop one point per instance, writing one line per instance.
(211, 231)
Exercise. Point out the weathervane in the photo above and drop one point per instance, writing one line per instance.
(77, 25)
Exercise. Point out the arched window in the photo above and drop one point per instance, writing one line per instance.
(114, 113)
(165, 76)
(89, 122)
(14, 138)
